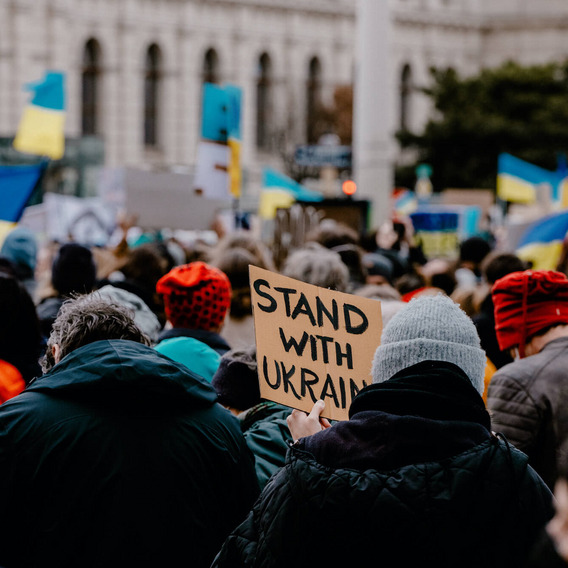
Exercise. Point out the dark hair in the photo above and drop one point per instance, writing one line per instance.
(497, 265)
(145, 265)
(20, 336)
(474, 249)
(86, 319)
(234, 262)
(330, 233)
(73, 270)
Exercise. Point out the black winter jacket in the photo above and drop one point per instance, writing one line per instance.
(414, 478)
(119, 457)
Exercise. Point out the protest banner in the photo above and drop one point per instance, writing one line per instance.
(312, 343)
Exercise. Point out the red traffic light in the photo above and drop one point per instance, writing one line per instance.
(349, 187)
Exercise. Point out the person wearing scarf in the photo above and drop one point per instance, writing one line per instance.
(415, 477)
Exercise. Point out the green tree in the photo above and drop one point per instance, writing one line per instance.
(518, 109)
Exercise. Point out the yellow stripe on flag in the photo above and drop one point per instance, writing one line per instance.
(510, 188)
(41, 133)
(544, 256)
(271, 200)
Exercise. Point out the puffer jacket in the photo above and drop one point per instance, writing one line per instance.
(414, 478)
(528, 402)
(119, 457)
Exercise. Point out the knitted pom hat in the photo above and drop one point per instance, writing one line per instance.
(196, 296)
(430, 328)
(528, 302)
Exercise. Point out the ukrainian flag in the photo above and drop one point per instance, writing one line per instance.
(541, 243)
(17, 184)
(41, 127)
(517, 180)
(280, 191)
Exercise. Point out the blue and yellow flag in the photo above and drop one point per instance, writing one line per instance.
(541, 244)
(280, 191)
(517, 180)
(41, 126)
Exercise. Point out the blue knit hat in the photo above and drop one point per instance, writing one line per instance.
(430, 328)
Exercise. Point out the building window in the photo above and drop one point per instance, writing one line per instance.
(405, 94)
(152, 77)
(263, 102)
(90, 85)
(211, 67)
(313, 97)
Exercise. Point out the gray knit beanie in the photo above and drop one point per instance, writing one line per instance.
(431, 328)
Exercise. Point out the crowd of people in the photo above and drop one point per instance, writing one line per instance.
(133, 432)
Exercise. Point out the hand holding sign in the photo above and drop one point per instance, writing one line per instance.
(302, 424)
(312, 343)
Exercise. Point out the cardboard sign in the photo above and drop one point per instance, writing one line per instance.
(312, 343)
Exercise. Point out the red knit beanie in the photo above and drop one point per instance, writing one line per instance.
(196, 296)
(526, 303)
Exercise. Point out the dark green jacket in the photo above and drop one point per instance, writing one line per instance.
(119, 457)
(268, 437)
(413, 478)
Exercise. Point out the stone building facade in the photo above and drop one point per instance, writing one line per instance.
(135, 68)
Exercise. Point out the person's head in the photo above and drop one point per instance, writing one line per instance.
(380, 269)
(243, 240)
(196, 296)
(352, 257)
(234, 262)
(86, 319)
(331, 233)
(73, 270)
(145, 265)
(144, 317)
(496, 265)
(20, 247)
(430, 328)
(319, 266)
(528, 305)
(236, 379)
(472, 252)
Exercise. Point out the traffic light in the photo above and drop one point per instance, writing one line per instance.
(349, 187)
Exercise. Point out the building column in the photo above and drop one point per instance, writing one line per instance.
(372, 105)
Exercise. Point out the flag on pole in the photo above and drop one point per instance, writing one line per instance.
(280, 191)
(541, 243)
(41, 127)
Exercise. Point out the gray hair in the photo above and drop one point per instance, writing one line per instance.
(86, 319)
(317, 265)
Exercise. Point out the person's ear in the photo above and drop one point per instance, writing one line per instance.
(56, 352)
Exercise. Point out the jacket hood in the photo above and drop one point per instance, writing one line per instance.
(124, 369)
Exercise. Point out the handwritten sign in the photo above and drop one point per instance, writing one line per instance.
(312, 343)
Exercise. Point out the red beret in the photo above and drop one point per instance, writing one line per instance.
(526, 303)
(196, 296)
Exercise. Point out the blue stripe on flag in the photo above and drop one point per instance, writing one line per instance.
(16, 186)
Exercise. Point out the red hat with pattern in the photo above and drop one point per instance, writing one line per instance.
(196, 296)
(527, 303)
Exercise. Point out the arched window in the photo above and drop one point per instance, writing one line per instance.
(405, 94)
(152, 76)
(263, 102)
(90, 85)
(211, 67)
(313, 98)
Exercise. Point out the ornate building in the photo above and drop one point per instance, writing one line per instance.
(135, 68)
